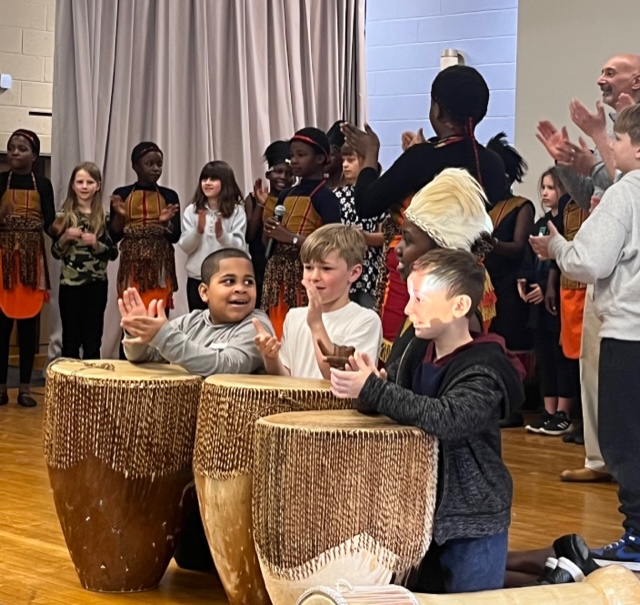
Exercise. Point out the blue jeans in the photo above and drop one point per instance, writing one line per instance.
(465, 565)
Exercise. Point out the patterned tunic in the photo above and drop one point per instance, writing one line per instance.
(368, 279)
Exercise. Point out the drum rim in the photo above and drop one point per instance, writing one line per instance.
(114, 370)
(367, 425)
(262, 382)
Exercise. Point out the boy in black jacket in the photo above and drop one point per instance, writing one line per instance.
(451, 383)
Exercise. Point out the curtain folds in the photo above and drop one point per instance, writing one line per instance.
(205, 80)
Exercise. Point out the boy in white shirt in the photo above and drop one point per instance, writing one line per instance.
(332, 257)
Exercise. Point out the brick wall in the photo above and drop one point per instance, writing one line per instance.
(404, 42)
(26, 53)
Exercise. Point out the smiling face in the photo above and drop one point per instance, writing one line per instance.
(621, 74)
(20, 154)
(280, 177)
(430, 308)
(211, 188)
(231, 293)
(332, 278)
(149, 167)
(413, 244)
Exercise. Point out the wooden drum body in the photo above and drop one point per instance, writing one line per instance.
(340, 495)
(223, 464)
(613, 585)
(118, 442)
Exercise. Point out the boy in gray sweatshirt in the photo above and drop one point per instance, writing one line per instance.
(606, 253)
(219, 340)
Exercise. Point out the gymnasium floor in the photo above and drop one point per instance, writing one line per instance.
(35, 567)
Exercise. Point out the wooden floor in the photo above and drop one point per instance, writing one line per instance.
(35, 567)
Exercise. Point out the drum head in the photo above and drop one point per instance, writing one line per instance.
(266, 382)
(338, 420)
(117, 370)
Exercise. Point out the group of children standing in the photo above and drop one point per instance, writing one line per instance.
(429, 225)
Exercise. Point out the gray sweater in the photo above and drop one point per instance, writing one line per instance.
(201, 347)
(580, 187)
(605, 252)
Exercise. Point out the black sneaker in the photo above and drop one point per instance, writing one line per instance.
(547, 572)
(534, 427)
(565, 572)
(574, 548)
(558, 424)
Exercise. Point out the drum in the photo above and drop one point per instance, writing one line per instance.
(608, 586)
(340, 495)
(118, 441)
(223, 466)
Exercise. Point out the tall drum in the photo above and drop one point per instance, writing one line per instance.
(223, 466)
(608, 586)
(118, 441)
(340, 495)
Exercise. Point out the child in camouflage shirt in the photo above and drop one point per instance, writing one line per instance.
(85, 248)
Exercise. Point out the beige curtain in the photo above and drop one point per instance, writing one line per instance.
(205, 79)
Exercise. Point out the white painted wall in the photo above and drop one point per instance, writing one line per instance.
(562, 46)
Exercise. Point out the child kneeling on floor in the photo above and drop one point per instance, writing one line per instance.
(451, 383)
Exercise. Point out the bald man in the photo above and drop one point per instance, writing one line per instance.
(585, 175)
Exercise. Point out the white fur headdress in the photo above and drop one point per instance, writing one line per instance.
(451, 210)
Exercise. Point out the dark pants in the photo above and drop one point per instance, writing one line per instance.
(193, 296)
(619, 422)
(560, 375)
(82, 314)
(465, 565)
(27, 343)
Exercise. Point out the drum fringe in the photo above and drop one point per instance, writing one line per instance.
(138, 428)
(227, 417)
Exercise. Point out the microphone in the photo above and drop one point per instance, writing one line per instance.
(278, 212)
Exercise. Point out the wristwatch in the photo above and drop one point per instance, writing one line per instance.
(295, 240)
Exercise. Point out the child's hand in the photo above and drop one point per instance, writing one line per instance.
(267, 344)
(535, 296)
(260, 192)
(118, 206)
(595, 200)
(89, 239)
(58, 226)
(73, 234)
(347, 384)
(274, 229)
(338, 356)
(218, 226)
(314, 310)
(131, 304)
(202, 221)
(168, 212)
(522, 289)
(143, 328)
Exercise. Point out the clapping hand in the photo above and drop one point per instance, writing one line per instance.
(260, 192)
(267, 344)
(144, 328)
(168, 212)
(347, 384)
(118, 206)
